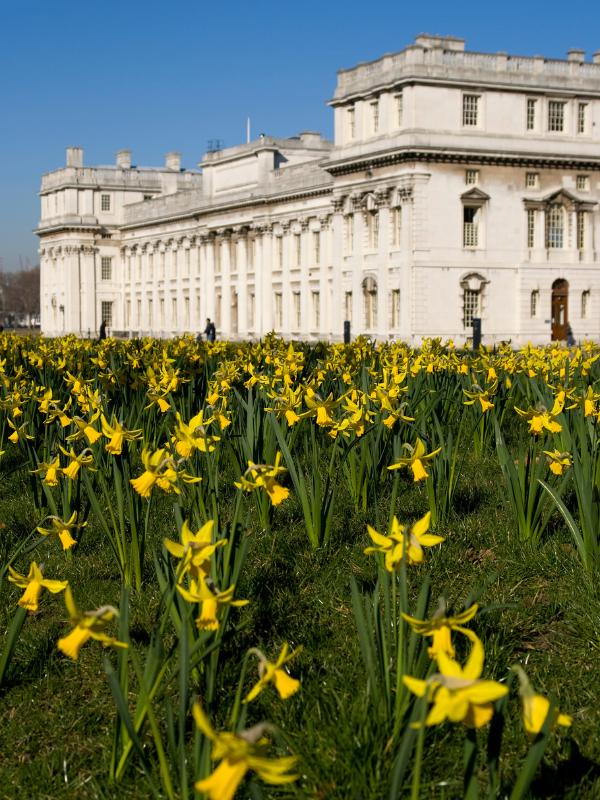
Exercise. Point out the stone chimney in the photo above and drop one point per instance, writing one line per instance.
(575, 54)
(173, 161)
(124, 159)
(74, 157)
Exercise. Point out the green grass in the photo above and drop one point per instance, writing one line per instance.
(539, 608)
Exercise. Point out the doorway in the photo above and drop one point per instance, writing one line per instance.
(560, 309)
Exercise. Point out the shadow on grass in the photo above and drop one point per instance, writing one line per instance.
(570, 774)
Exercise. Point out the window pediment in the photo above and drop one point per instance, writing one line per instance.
(560, 197)
(474, 282)
(474, 197)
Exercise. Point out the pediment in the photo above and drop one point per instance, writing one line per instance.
(474, 195)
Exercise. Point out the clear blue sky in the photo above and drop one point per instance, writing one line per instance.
(158, 76)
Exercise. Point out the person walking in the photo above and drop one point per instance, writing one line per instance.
(210, 331)
(102, 331)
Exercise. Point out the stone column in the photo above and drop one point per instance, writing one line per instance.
(336, 261)
(305, 297)
(242, 283)
(225, 287)
(358, 316)
(383, 260)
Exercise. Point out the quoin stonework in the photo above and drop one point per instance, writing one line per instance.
(459, 185)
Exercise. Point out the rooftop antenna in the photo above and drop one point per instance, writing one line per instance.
(248, 130)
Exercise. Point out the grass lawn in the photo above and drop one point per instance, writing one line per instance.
(538, 608)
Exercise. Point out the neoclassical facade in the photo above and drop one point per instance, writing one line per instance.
(458, 185)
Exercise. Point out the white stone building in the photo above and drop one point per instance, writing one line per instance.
(459, 184)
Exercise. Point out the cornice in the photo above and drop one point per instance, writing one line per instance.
(507, 159)
(197, 213)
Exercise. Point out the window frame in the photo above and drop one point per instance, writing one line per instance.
(471, 116)
(105, 202)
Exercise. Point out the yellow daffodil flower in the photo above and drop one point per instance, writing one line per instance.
(19, 433)
(536, 707)
(457, 693)
(194, 435)
(195, 550)
(63, 530)
(204, 592)
(237, 754)
(84, 459)
(403, 541)
(50, 472)
(274, 672)
(483, 395)
(85, 429)
(117, 434)
(88, 625)
(33, 583)
(557, 461)
(440, 628)
(415, 460)
(541, 419)
(264, 476)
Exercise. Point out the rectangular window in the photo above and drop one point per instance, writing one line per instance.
(470, 306)
(375, 116)
(471, 177)
(150, 313)
(106, 312)
(470, 114)
(251, 310)
(297, 310)
(581, 117)
(105, 202)
(128, 268)
(532, 180)
(297, 249)
(250, 252)
(530, 227)
(278, 310)
(351, 122)
(316, 308)
(317, 247)
(396, 226)
(554, 227)
(581, 230)
(150, 266)
(173, 312)
(127, 314)
(585, 303)
(138, 312)
(186, 261)
(279, 252)
(556, 115)
(232, 255)
(162, 265)
(399, 109)
(348, 306)
(372, 230)
(395, 308)
(531, 109)
(218, 310)
(349, 233)
(161, 313)
(106, 268)
(470, 226)
(534, 303)
(582, 183)
(186, 313)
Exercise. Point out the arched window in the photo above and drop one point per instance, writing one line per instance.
(555, 227)
(369, 287)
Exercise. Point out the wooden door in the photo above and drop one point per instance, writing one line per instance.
(560, 309)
